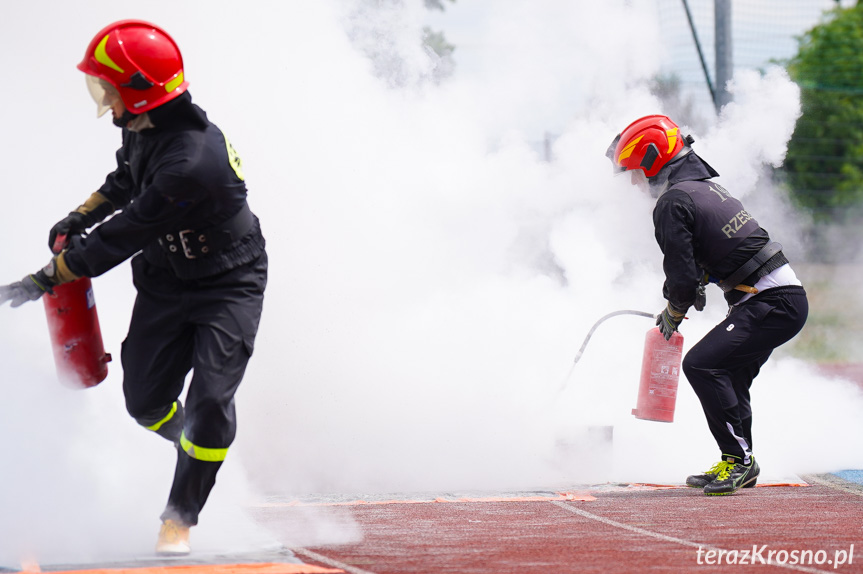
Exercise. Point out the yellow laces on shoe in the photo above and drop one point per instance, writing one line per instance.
(721, 469)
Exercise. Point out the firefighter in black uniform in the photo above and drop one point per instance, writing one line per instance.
(706, 235)
(179, 203)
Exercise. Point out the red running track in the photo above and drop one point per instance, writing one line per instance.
(675, 530)
(610, 529)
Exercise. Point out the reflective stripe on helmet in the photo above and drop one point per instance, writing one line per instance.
(672, 138)
(168, 417)
(627, 151)
(103, 58)
(173, 84)
(202, 453)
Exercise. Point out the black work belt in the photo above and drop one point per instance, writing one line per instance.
(758, 260)
(193, 244)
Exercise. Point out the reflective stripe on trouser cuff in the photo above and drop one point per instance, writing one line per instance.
(201, 453)
(168, 417)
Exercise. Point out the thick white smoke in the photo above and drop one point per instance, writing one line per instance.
(431, 278)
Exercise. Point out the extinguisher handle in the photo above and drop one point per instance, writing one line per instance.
(60, 243)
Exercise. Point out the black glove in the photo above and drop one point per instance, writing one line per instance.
(700, 298)
(73, 224)
(30, 288)
(669, 320)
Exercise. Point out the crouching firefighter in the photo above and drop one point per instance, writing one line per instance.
(178, 201)
(706, 235)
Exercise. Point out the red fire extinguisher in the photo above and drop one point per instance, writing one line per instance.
(76, 337)
(660, 371)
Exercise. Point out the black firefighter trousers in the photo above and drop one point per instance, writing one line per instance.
(722, 365)
(207, 326)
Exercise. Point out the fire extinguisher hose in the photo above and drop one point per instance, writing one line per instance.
(598, 323)
(592, 329)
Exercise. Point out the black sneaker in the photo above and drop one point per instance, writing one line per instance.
(702, 480)
(734, 476)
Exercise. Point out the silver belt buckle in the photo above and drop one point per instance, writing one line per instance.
(184, 241)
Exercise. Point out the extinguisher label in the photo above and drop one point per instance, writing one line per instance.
(91, 299)
(664, 373)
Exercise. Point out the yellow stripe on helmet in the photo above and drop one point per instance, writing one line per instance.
(672, 138)
(627, 151)
(103, 58)
(173, 84)
(201, 453)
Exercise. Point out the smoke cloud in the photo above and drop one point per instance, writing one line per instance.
(432, 273)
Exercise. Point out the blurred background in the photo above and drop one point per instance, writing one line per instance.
(704, 43)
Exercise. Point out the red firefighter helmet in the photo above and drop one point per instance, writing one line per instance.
(139, 60)
(647, 144)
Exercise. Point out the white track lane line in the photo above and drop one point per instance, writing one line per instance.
(328, 561)
(571, 508)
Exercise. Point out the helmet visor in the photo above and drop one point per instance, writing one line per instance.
(609, 153)
(103, 93)
(637, 177)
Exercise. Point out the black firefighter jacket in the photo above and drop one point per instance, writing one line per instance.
(180, 176)
(702, 229)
